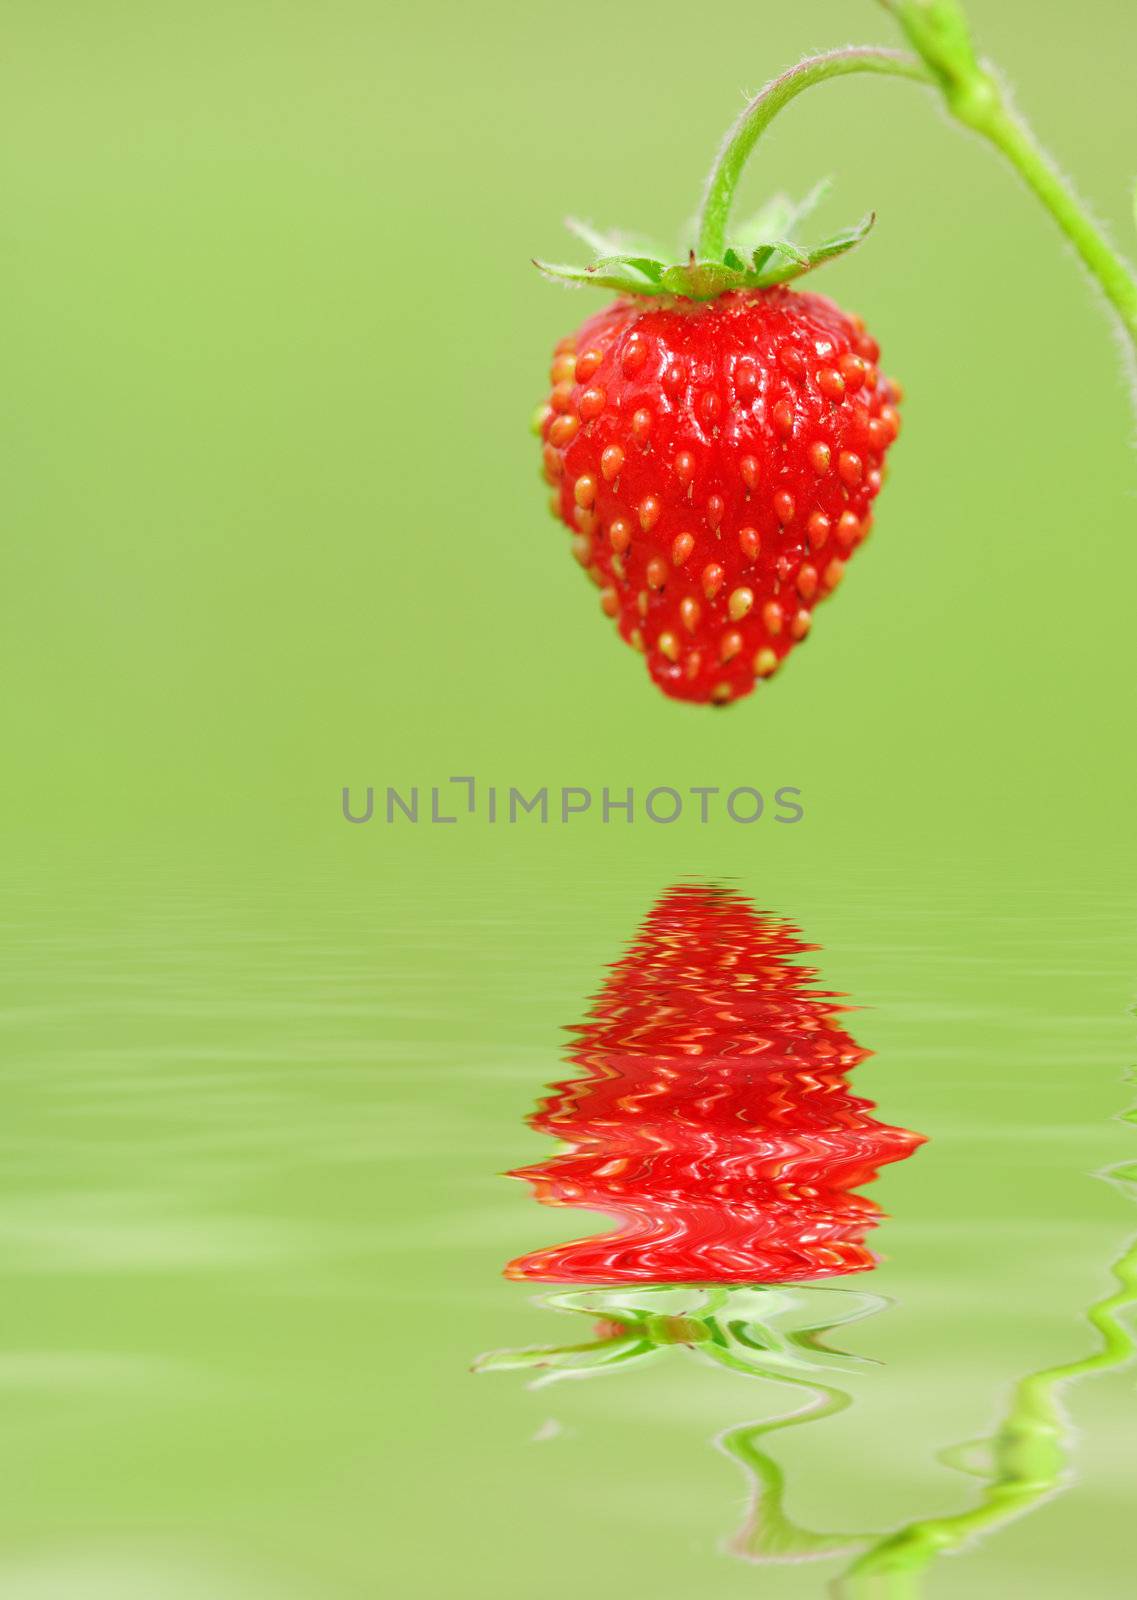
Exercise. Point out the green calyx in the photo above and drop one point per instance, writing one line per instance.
(761, 253)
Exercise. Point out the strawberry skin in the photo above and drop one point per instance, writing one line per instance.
(717, 462)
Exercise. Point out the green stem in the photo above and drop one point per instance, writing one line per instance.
(1028, 1458)
(768, 1532)
(1014, 138)
(761, 112)
(976, 97)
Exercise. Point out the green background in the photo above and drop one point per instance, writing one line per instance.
(271, 344)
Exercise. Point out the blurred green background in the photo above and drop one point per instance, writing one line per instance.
(271, 345)
(273, 341)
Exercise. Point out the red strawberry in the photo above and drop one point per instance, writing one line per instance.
(717, 461)
(713, 1115)
(714, 438)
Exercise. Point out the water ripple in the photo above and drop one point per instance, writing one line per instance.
(713, 1116)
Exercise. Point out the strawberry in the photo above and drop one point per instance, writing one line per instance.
(712, 1115)
(717, 463)
(715, 439)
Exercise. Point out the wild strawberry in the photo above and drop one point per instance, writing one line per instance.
(715, 439)
(717, 463)
(713, 1115)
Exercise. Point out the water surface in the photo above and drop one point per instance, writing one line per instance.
(256, 1224)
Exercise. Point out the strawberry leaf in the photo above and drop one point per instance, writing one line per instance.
(771, 259)
(626, 274)
(779, 217)
(791, 252)
(611, 242)
(805, 261)
(774, 218)
(809, 203)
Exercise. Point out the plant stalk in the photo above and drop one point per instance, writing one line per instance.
(974, 94)
(1009, 134)
(762, 110)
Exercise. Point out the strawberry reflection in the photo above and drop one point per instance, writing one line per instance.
(712, 1115)
(713, 1118)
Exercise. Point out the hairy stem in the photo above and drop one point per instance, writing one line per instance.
(1014, 138)
(975, 96)
(762, 110)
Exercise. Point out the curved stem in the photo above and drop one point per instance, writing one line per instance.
(1014, 138)
(761, 112)
(975, 96)
(768, 1533)
(1028, 1453)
